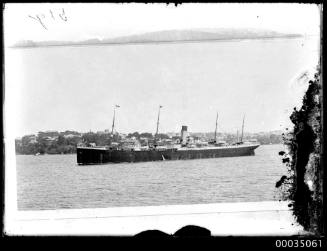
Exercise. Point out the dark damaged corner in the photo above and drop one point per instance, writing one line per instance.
(304, 184)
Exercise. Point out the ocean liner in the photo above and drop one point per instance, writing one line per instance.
(184, 148)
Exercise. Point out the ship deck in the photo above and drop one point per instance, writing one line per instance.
(217, 147)
(179, 149)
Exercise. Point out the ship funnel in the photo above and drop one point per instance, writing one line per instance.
(183, 135)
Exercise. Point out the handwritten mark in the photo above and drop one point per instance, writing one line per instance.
(42, 18)
(37, 18)
(63, 15)
(52, 14)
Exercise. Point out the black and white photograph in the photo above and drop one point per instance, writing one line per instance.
(163, 120)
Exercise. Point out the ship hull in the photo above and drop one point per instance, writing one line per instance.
(90, 155)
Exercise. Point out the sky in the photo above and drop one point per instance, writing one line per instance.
(76, 88)
(85, 21)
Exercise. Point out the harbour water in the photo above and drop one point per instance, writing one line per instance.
(56, 181)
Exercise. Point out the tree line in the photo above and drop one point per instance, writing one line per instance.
(59, 143)
(66, 142)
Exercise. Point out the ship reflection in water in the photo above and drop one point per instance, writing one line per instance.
(183, 148)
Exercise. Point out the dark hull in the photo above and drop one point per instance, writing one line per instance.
(89, 155)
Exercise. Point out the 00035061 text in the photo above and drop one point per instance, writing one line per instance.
(299, 243)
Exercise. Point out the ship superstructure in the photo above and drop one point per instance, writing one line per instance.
(185, 148)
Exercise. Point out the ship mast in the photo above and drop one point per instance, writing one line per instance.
(158, 122)
(242, 128)
(113, 119)
(216, 128)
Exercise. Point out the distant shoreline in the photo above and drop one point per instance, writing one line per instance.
(76, 44)
(32, 154)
